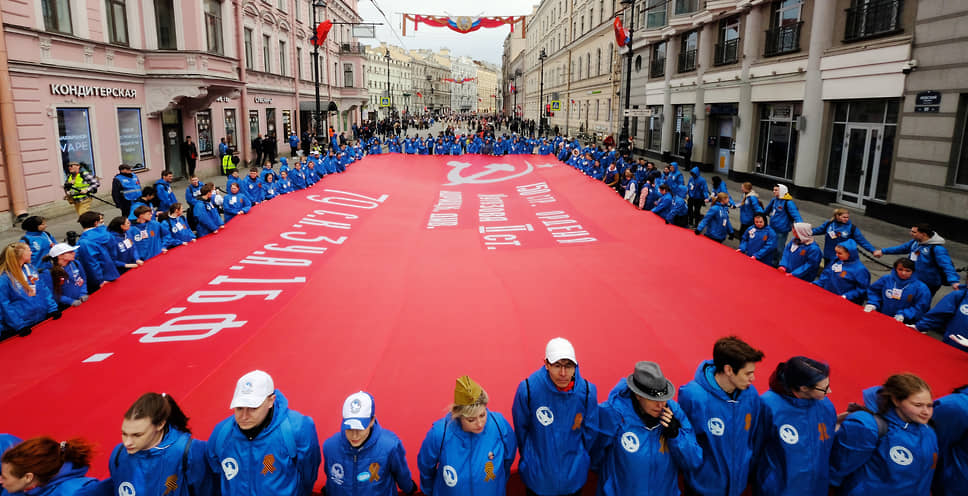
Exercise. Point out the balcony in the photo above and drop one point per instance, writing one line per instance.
(352, 49)
(687, 61)
(872, 19)
(657, 67)
(783, 39)
(727, 52)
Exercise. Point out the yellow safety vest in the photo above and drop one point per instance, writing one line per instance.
(77, 185)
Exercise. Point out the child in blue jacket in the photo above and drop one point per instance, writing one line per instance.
(57, 468)
(94, 251)
(759, 241)
(146, 234)
(949, 316)
(252, 186)
(65, 277)
(285, 185)
(837, 230)
(123, 251)
(209, 220)
(39, 240)
(801, 256)
(717, 220)
(174, 228)
(899, 295)
(26, 299)
(235, 203)
(846, 277)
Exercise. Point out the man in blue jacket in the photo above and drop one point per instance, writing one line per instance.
(783, 214)
(164, 192)
(265, 448)
(949, 316)
(697, 193)
(363, 458)
(555, 416)
(125, 188)
(926, 249)
(94, 251)
(724, 408)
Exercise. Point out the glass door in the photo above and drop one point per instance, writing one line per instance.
(858, 168)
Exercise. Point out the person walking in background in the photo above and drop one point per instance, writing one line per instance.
(926, 249)
(749, 207)
(697, 194)
(783, 214)
(190, 154)
(836, 231)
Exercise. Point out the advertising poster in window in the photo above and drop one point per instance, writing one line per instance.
(203, 126)
(286, 124)
(230, 128)
(131, 138)
(253, 123)
(74, 138)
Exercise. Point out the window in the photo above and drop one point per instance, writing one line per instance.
(117, 22)
(213, 26)
(784, 33)
(230, 128)
(658, 59)
(57, 15)
(281, 4)
(683, 128)
(286, 124)
(638, 63)
(247, 39)
(686, 6)
(653, 140)
(727, 49)
(588, 65)
(776, 150)
(270, 121)
(165, 19)
(74, 138)
(611, 53)
(266, 42)
(579, 68)
(253, 123)
(282, 57)
(203, 127)
(299, 70)
(655, 16)
(298, 10)
(870, 18)
(131, 138)
(688, 50)
(598, 62)
(348, 75)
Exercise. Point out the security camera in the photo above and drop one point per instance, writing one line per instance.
(909, 66)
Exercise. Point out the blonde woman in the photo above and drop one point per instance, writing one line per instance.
(25, 300)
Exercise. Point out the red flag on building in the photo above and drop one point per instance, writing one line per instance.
(322, 31)
(621, 34)
(419, 95)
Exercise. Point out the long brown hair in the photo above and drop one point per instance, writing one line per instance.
(10, 263)
(158, 408)
(899, 387)
(44, 457)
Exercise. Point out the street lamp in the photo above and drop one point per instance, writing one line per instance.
(316, 4)
(624, 136)
(389, 94)
(517, 74)
(541, 119)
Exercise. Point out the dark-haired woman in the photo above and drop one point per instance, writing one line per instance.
(951, 425)
(759, 241)
(799, 422)
(44, 467)
(66, 277)
(890, 450)
(123, 251)
(157, 455)
(38, 239)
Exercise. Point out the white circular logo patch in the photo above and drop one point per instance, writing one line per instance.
(789, 434)
(963, 309)
(126, 489)
(901, 455)
(230, 467)
(545, 416)
(716, 426)
(630, 442)
(450, 476)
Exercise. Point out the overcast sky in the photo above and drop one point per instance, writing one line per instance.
(484, 44)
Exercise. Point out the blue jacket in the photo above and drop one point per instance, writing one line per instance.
(193, 193)
(40, 243)
(20, 310)
(722, 189)
(289, 445)
(164, 193)
(800, 260)
(838, 232)
(285, 185)
(7, 441)
(147, 238)
(175, 231)
(123, 251)
(232, 179)
(783, 214)
(636, 458)
(130, 186)
(376, 468)
(951, 426)
(932, 263)
(94, 253)
(70, 480)
(663, 207)
(72, 288)
(554, 432)
(454, 462)
(698, 190)
(850, 278)
(726, 430)
(749, 208)
(148, 472)
(717, 220)
(893, 295)
(233, 205)
(252, 188)
(797, 438)
(208, 217)
(899, 463)
(138, 203)
(263, 172)
(950, 315)
(759, 243)
(272, 189)
(676, 179)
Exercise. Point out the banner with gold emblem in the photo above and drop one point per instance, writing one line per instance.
(462, 24)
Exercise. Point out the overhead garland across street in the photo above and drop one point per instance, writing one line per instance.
(462, 24)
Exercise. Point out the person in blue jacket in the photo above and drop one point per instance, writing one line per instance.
(890, 450)
(801, 256)
(174, 228)
(125, 188)
(363, 458)
(147, 199)
(265, 447)
(26, 299)
(759, 241)
(697, 192)
(235, 203)
(270, 186)
(846, 277)
(798, 427)
(899, 295)
(717, 220)
(749, 207)
(676, 179)
(194, 189)
(7, 441)
(39, 240)
(164, 192)
(950, 317)
(285, 185)
(837, 230)
(44, 467)
(783, 214)
(470, 450)
(664, 205)
(649, 440)
(157, 455)
(951, 426)
(233, 178)
(555, 415)
(409, 145)
(146, 234)
(723, 406)
(65, 277)
(252, 186)
(926, 249)
(719, 186)
(123, 251)
(209, 220)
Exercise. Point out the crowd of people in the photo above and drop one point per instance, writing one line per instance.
(720, 437)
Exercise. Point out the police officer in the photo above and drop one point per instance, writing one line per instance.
(125, 188)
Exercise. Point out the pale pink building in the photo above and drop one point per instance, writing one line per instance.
(105, 82)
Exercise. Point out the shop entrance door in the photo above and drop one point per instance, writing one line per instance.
(724, 159)
(171, 136)
(858, 168)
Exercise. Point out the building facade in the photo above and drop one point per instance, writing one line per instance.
(463, 97)
(488, 96)
(512, 67)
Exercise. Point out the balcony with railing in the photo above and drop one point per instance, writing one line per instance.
(352, 49)
(687, 60)
(727, 52)
(872, 19)
(657, 67)
(783, 39)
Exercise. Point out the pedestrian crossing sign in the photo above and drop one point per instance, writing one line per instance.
(384, 101)
(555, 105)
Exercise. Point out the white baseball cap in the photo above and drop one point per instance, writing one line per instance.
(559, 349)
(252, 390)
(60, 249)
(358, 411)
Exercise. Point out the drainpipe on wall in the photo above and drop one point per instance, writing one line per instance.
(243, 119)
(17, 188)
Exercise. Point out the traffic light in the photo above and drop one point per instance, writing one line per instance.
(548, 111)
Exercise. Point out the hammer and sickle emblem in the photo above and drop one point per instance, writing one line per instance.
(455, 177)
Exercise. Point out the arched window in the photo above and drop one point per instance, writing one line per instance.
(610, 60)
(588, 64)
(579, 68)
(598, 62)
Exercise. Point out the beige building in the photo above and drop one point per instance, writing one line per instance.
(512, 68)
(488, 93)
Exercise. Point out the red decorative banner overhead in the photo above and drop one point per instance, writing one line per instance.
(463, 24)
(458, 81)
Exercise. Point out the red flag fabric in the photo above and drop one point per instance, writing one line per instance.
(419, 95)
(322, 31)
(621, 35)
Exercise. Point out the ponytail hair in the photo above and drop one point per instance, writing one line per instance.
(158, 408)
(44, 457)
(799, 371)
(899, 387)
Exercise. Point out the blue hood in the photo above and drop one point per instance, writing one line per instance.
(67, 472)
(851, 247)
(694, 171)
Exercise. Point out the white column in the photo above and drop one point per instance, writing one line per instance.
(808, 163)
(745, 157)
(704, 60)
(668, 116)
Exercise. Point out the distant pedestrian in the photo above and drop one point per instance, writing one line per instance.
(190, 154)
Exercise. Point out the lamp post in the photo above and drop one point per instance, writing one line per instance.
(624, 136)
(316, 4)
(541, 116)
(389, 94)
(430, 84)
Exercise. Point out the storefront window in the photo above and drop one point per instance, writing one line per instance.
(253, 123)
(286, 123)
(270, 121)
(131, 138)
(777, 144)
(230, 127)
(203, 125)
(74, 138)
(683, 128)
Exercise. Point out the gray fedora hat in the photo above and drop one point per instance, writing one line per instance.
(648, 382)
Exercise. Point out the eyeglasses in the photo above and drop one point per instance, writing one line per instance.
(825, 390)
(559, 365)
